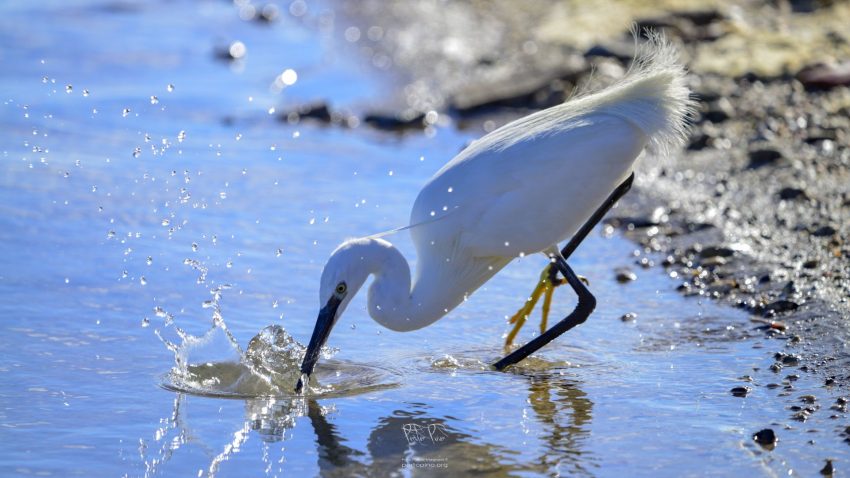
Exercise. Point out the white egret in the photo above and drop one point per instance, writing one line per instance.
(520, 189)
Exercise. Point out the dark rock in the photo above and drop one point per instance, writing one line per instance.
(776, 368)
(808, 399)
(828, 469)
(397, 123)
(811, 264)
(622, 51)
(740, 391)
(317, 111)
(764, 157)
(625, 275)
(824, 231)
(716, 251)
(791, 360)
(699, 142)
(789, 193)
(715, 115)
(628, 317)
(780, 306)
(766, 438)
(824, 77)
(801, 416)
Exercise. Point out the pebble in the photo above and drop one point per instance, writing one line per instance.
(789, 193)
(779, 306)
(823, 77)
(766, 438)
(625, 275)
(628, 317)
(824, 231)
(716, 251)
(740, 391)
(764, 157)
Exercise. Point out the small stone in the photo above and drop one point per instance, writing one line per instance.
(740, 391)
(811, 264)
(775, 368)
(766, 438)
(780, 306)
(625, 275)
(628, 317)
(827, 469)
(824, 231)
(791, 360)
(764, 157)
(800, 416)
(808, 399)
(789, 193)
(716, 251)
(822, 76)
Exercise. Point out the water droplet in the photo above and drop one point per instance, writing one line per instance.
(181, 136)
(194, 247)
(451, 189)
(278, 252)
(353, 326)
(237, 50)
(312, 221)
(110, 234)
(67, 280)
(146, 322)
(137, 152)
(166, 222)
(170, 87)
(143, 281)
(390, 173)
(238, 136)
(44, 79)
(149, 261)
(271, 110)
(85, 92)
(507, 243)
(154, 100)
(288, 77)
(222, 195)
(69, 89)
(125, 112)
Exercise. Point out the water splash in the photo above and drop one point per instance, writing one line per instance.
(268, 367)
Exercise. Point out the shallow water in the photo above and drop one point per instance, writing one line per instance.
(218, 225)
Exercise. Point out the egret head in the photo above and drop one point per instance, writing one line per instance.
(344, 275)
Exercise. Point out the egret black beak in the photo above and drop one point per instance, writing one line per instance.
(324, 324)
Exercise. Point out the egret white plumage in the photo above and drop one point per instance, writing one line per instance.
(520, 189)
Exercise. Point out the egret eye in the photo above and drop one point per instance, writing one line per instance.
(341, 288)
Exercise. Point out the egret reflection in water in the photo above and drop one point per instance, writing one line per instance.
(415, 437)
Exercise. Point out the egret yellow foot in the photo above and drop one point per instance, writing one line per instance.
(545, 287)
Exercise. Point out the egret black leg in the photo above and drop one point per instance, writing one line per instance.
(586, 301)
